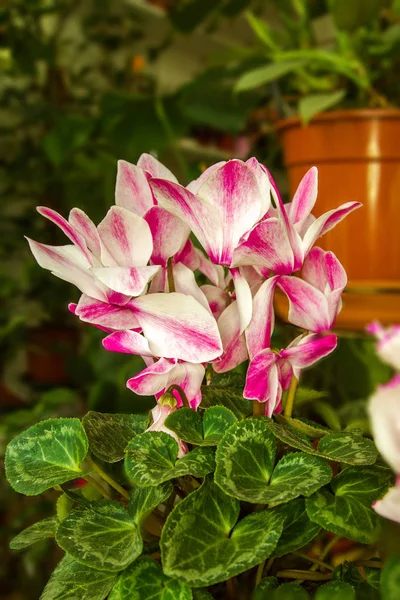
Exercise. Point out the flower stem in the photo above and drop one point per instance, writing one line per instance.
(258, 409)
(316, 561)
(291, 396)
(170, 275)
(108, 479)
(259, 574)
(92, 481)
(303, 575)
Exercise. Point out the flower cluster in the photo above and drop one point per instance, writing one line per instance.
(384, 411)
(136, 271)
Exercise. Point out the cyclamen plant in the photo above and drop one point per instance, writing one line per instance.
(218, 494)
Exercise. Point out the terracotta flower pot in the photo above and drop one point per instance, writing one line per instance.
(357, 153)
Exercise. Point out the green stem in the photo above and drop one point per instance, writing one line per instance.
(259, 574)
(98, 486)
(170, 275)
(316, 561)
(291, 396)
(329, 547)
(108, 479)
(303, 575)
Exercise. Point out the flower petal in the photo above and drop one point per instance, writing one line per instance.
(177, 326)
(309, 349)
(131, 281)
(243, 297)
(87, 229)
(127, 342)
(326, 222)
(262, 381)
(384, 413)
(185, 283)
(106, 315)
(308, 307)
(258, 333)
(132, 190)
(234, 343)
(217, 299)
(169, 234)
(126, 238)
(148, 163)
(196, 184)
(202, 218)
(159, 414)
(67, 229)
(234, 191)
(68, 263)
(389, 506)
(264, 184)
(304, 198)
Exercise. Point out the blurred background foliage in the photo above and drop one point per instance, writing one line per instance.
(193, 81)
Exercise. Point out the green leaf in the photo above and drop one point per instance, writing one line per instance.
(291, 591)
(72, 581)
(347, 511)
(143, 500)
(63, 506)
(151, 458)
(317, 103)
(200, 594)
(335, 590)
(346, 446)
(245, 459)
(109, 434)
(263, 75)
(230, 397)
(298, 530)
(202, 543)
(390, 579)
(101, 536)
(145, 580)
(304, 426)
(35, 533)
(45, 455)
(265, 589)
(207, 431)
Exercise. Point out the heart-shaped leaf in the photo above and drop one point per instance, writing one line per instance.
(45, 455)
(101, 536)
(204, 526)
(304, 426)
(347, 510)
(390, 579)
(35, 533)
(346, 447)
(207, 431)
(335, 590)
(298, 530)
(143, 500)
(109, 434)
(265, 589)
(145, 580)
(230, 397)
(71, 580)
(151, 459)
(290, 591)
(245, 459)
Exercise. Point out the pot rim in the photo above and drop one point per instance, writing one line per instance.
(359, 114)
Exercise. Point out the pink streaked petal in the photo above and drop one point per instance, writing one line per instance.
(388, 347)
(215, 273)
(304, 198)
(308, 307)
(234, 344)
(217, 299)
(233, 190)
(196, 184)
(189, 377)
(258, 333)
(389, 506)
(159, 283)
(285, 373)
(95, 312)
(159, 414)
(262, 378)
(177, 326)
(188, 256)
(376, 329)
(87, 229)
(202, 218)
(323, 270)
(267, 246)
(132, 189)
(384, 415)
(264, 184)
(326, 222)
(309, 349)
(67, 229)
(153, 379)
(243, 297)
(126, 237)
(185, 283)
(67, 263)
(169, 234)
(155, 168)
(127, 342)
(131, 281)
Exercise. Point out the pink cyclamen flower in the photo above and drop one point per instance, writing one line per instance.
(388, 346)
(281, 241)
(315, 300)
(159, 414)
